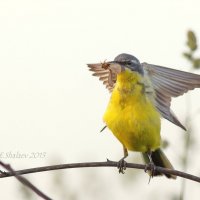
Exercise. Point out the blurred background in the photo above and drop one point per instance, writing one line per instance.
(51, 107)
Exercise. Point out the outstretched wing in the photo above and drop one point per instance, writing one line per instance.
(169, 83)
(105, 75)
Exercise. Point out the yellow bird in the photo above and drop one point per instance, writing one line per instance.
(141, 95)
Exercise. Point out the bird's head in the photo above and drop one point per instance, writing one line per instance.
(125, 61)
(109, 71)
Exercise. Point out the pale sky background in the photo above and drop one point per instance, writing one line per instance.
(49, 102)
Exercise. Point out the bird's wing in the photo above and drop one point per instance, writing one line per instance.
(169, 83)
(105, 75)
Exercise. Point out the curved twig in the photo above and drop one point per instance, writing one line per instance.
(23, 180)
(108, 163)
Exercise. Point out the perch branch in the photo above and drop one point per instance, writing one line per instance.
(100, 164)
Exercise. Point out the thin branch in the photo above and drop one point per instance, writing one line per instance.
(23, 180)
(100, 164)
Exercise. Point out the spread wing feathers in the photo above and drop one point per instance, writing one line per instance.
(169, 83)
(105, 75)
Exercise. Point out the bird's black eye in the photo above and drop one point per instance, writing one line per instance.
(128, 62)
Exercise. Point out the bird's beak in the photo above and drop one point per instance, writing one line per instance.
(113, 66)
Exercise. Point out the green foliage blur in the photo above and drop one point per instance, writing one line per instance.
(188, 139)
(192, 48)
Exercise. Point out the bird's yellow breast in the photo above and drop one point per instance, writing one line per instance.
(131, 115)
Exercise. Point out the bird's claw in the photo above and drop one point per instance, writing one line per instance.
(121, 165)
(151, 168)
